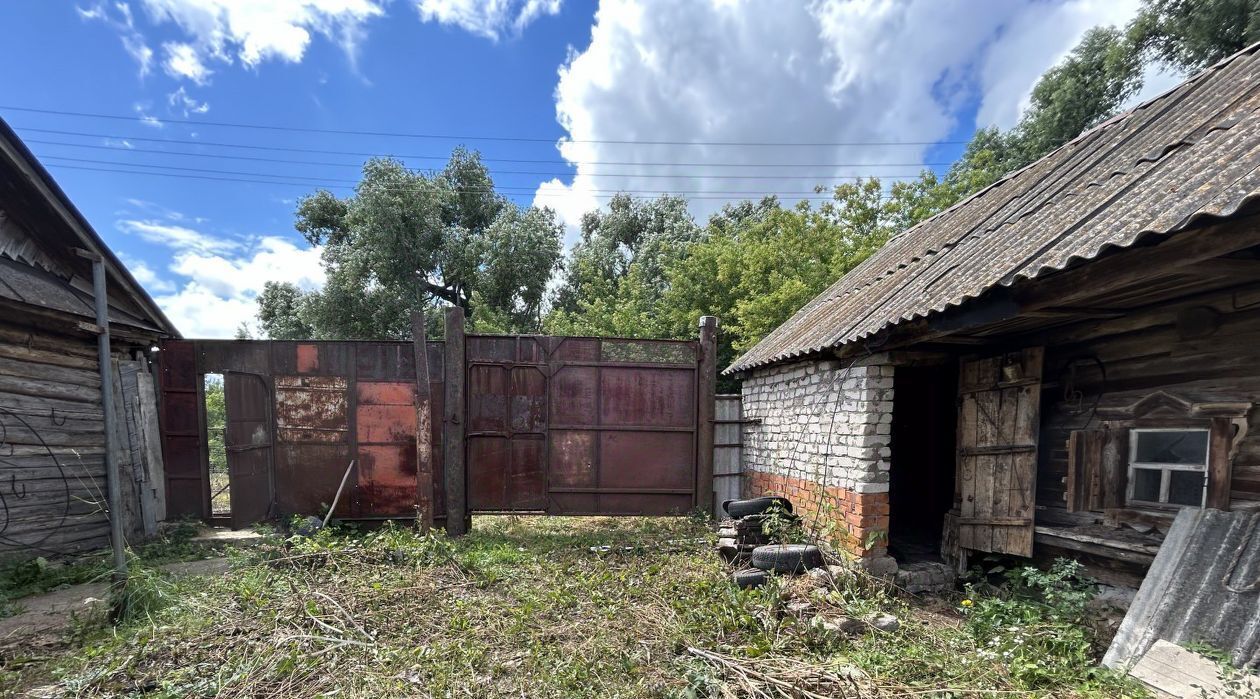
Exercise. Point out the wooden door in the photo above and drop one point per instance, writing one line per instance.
(998, 422)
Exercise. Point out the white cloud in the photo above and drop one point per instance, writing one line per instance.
(1037, 38)
(251, 31)
(118, 17)
(760, 71)
(180, 238)
(220, 291)
(183, 103)
(145, 117)
(491, 19)
(183, 61)
(149, 279)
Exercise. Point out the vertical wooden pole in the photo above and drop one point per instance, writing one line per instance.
(424, 424)
(458, 521)
(706, 387)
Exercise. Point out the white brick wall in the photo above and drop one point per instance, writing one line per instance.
(823, 421)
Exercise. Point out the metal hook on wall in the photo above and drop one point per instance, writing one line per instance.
(52, 417)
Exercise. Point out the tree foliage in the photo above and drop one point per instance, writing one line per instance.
(407, 241)
(1189, 35)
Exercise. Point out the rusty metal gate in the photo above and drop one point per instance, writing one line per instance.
(297, 414)
(484, 423)
(576, 425)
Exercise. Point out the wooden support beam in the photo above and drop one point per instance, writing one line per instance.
(706, 384)
(458, 519)
(424, 424)
(1227, 266)
(1134, 265)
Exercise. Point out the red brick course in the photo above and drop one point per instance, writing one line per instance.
(860, 518)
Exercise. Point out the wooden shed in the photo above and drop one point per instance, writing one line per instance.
(52, 434)
(1054, 366)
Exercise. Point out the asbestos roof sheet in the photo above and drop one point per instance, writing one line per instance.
(1204, 587)
(1190, 153)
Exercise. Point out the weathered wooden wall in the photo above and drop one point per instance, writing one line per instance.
(1202, 350)
(727, 435)
(52, 444)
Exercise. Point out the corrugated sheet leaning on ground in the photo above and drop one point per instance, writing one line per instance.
(1204, 587)
(1189, 153)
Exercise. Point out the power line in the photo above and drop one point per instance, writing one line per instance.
(553, 173)
(470, 137)
(368, 154)
(725, 196)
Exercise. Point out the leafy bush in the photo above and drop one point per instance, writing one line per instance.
(1036, 625)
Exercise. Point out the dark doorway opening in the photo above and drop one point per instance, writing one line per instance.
(921, 486)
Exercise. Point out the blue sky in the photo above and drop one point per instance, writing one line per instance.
(571, 74)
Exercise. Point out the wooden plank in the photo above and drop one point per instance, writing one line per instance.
(151, 445)
(1177, 672)
(1115, 455)
(424, 424)
(52, 389)
(706, 384)
(58, 357)
(458, 519)
(1220, 476)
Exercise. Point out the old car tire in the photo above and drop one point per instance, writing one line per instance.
(750, 577)
(754, 506)
(787, 558)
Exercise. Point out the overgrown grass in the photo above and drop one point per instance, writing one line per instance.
(34, 576)
(531, 607)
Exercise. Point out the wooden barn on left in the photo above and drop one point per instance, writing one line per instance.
(52, 427)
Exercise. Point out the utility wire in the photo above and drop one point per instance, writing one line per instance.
(351, 183)
(334, 180)
(554, 173)
(472, 137)
(443, 158)
(595, 193)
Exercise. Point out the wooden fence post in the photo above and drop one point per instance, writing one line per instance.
(706, 385)
(458, 521)
(424, 424)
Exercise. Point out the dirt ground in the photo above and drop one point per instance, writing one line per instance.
(54, 612)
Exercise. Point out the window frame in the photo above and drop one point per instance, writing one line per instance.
(1166, 469)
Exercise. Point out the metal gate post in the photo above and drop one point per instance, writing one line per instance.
(706, 387)
(458, 520)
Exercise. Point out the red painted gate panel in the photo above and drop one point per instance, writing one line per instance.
(581, 425)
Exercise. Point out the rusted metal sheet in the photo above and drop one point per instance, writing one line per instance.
(581, 425)
(385, 428)
(312, 409)
(1188, 155)
(327, 403)
(187, 480)
(249, 447)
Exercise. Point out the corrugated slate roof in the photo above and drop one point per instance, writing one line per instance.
(1189, 153)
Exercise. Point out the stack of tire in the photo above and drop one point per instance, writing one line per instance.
(742, 539)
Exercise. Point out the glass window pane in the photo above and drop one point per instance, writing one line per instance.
(1146, 484)
(1168, 447)
(1186, 488)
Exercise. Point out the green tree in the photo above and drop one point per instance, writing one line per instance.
(1085, 88)
(1189, 35)
(282, 312)
(616, 272)
(216, 421)
(408, 241)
